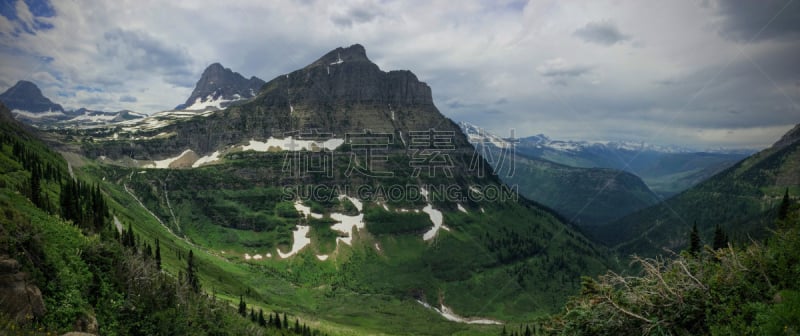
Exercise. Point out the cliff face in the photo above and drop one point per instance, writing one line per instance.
(342, 92)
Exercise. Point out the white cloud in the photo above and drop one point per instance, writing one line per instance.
(472, 54)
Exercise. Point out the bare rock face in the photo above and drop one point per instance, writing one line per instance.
(19, 298)
(218, 82)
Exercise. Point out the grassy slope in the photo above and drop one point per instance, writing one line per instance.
(359, 289)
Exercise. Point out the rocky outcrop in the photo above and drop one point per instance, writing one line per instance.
(19, 297)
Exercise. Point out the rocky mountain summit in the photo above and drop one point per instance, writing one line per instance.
(218, 87)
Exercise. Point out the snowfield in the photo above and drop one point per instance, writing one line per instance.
(213, 157)
(164, 164)
(291, 144)
(449, 315)
(300, 241)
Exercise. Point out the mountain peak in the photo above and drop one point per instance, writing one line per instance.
(353, 53)
(26, 96)
(219, 86)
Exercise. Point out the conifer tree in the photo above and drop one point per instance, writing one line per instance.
(694, 241)
(720, 238)
(242, 305)
(277, 320)
(783, 210)
(261, 321)
(158, 254)
(253, 315)
(36, 186)
(191, 276)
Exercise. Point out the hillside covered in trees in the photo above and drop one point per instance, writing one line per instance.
(65, 265)
(712, 288)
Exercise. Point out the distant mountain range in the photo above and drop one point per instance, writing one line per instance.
(28, 104)
(217, 88)
(585, 196)
(741, 199)
(667, 170)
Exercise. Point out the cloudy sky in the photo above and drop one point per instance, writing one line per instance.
(693, 73)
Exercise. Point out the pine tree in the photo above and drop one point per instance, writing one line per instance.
(285, 321)
(242, 305)
(783, 210)
(191, 276)
(158, 254)
(277, 320)
(720, 238)
(253, 315)
(36, 186)
(694, 240)
(148, 250)
(271, 322)
(261, 320)
(296, 326)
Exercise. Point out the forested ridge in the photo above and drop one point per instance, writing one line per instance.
(80, 273)
(712, 288)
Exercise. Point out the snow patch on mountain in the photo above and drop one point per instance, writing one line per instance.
(211, 102)
(213, 157)
(348, 224)
(300, 241)
(291, 144)
(164, 164)
(434, 215)
(449, 315)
